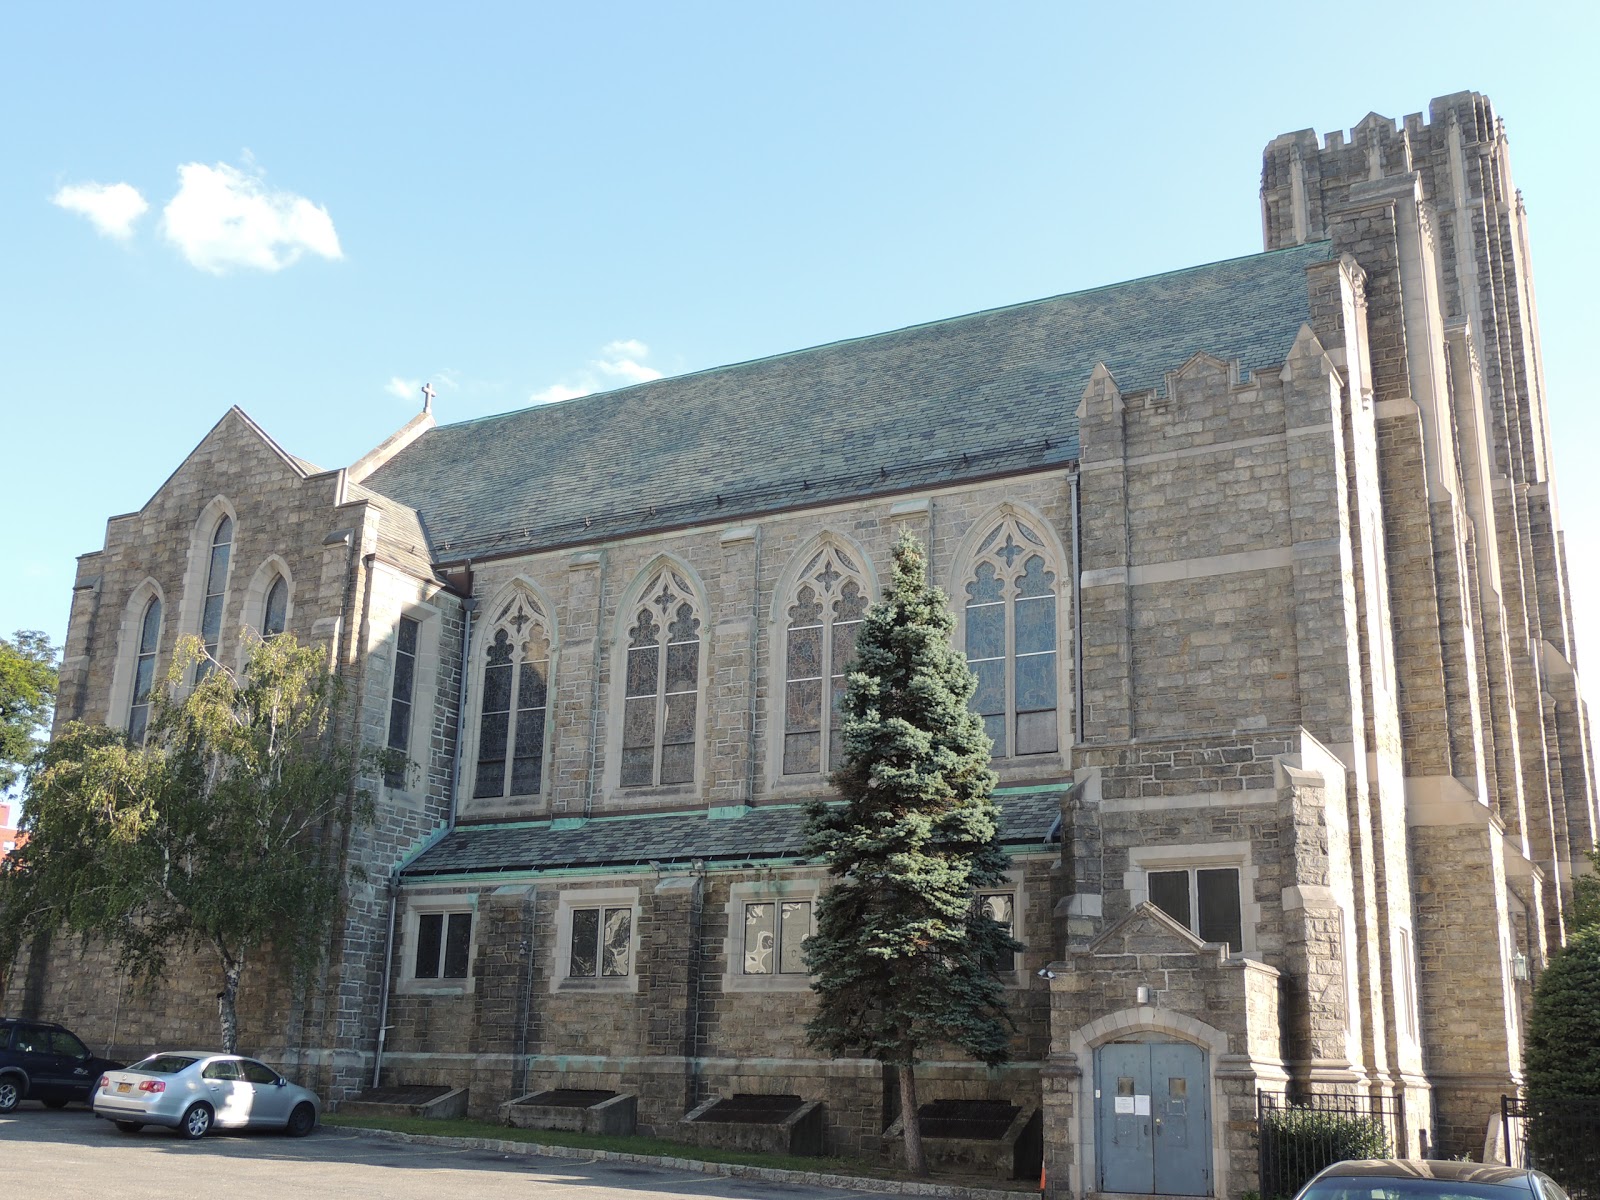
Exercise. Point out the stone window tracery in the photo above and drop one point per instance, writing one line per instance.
(830, 600)
(660, 707)
(1011, 639)
(515, 697)
(144, 671)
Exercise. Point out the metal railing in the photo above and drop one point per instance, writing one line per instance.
(1559, 1137)
(1300, 1135)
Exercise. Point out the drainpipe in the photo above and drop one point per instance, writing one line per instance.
(1077, 619)
(388, 962)
(468, 607)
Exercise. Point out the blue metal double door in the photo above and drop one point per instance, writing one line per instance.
(1153, 1119)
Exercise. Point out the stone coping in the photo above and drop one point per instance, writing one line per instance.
(901, 1187)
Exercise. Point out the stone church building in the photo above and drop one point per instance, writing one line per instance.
(1261, 572)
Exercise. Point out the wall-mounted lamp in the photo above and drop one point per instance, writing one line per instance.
(1141, 994)
(1519, 967)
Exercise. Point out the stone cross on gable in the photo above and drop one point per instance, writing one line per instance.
(427, 397)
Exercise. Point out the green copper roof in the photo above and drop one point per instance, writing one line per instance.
(1026, 818)
(985, 394)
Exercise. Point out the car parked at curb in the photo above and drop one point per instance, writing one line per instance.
(194, 1091)
(1418, 1179)
(43, 1061)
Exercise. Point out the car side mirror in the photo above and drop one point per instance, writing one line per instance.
(282, 1082)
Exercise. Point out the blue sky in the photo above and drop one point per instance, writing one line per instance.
(520, 201)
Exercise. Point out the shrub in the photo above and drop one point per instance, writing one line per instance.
(1296, 1143)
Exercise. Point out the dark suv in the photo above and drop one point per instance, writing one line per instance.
(41, 1061)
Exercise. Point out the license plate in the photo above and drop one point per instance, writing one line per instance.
(124, 1087)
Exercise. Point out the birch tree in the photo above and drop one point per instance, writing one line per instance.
(217, 839)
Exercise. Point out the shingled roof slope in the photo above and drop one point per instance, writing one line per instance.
(990, 393)
(1026, 818)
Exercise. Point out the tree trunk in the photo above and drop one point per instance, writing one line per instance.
(227, 1000)
(909, 1125)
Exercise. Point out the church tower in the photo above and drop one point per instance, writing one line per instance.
(1494, 741)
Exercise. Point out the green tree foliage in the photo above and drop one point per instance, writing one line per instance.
(1562, 1057)
(903, 959)
(1561, 1060)
(27, 696)
(219, 836)
(1586, 896)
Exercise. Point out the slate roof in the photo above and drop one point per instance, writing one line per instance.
(1026, 818)
(986, 394)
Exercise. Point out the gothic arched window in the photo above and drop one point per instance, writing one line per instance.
(516, 684)
(216, 593)
(144, 671)
(660, 703)
(1011, 639)
(275, 615)
(830, 599)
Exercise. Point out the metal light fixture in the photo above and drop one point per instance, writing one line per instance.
(1141, 994)
(1519, 967)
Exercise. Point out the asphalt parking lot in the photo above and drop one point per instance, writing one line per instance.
(68, 1154)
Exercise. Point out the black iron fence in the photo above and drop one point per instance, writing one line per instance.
(1300, 1135)
(1560, 1138)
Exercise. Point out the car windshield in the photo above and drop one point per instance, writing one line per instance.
(163, 1064)
(1379, 1188)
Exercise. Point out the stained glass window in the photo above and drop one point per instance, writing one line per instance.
(829, 603)
(514, 702)
(144, 671)
(660, 707)
(444, 945)
(276, 614)
(216, 594)
(1001, 908)
(774, 936)
(1011, 640)
(602, 942)
(400, 696)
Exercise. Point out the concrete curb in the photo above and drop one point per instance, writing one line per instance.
(897, 1187)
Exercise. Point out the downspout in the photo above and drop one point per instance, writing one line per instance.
(468, 607)
(755, 667)
(1077, 619)
(388, 962)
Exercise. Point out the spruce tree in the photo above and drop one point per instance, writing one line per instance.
(1561, 1058)
(903, 959)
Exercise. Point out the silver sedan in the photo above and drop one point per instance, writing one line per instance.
(193, 1090)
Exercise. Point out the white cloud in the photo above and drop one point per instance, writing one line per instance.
(223, 217)
(618, 360)
(111, 207)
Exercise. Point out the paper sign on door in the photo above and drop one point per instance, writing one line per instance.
(1124, 1104)
(1141, 1106)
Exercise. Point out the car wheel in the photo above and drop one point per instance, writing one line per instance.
(196, 1122)
(128, 1126)
(10, 1094)
(54, 1103)
(302, 1120)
